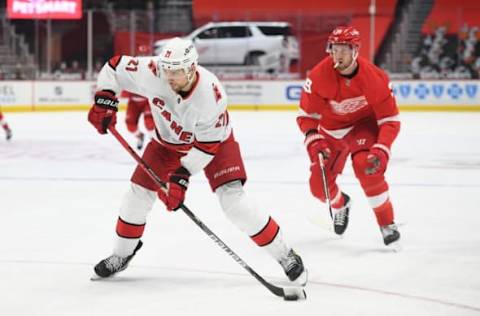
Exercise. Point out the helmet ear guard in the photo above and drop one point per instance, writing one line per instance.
(191, 70)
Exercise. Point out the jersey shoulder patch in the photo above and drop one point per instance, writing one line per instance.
(153, 67)
(114, 61)
(216, 92)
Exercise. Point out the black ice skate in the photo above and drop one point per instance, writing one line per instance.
(293, 266)
(8, 133)
(390, 234)
(140, 140)
(340, 218)
(113, 264)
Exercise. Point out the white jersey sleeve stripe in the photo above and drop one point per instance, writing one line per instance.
(302, 113)
(395, 118)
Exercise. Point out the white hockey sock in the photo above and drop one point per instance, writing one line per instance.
(246, 216)
(278, 248)
(136, 204)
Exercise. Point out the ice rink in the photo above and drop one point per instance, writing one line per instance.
(61, 184)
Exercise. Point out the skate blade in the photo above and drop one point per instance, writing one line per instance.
(300, 282)
(302, 279)
(294, 294)
(395, 246)
(322, 223)
(96, 277)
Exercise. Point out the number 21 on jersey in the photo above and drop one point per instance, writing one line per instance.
(132, 65)
(222, 120)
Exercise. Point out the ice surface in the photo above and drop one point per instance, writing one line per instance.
(61, 185)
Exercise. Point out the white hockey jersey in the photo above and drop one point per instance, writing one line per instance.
(196, 124)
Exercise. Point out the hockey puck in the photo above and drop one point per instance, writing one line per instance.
(290, 298)
(300, 295)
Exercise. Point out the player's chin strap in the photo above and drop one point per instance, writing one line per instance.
(190, 73)
(354, 61)
(289, 293)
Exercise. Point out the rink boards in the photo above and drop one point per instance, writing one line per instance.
(411, 95)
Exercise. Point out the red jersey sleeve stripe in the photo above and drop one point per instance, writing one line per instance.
(114, 61)
(127, 230)
(267, 234)
(209, 148)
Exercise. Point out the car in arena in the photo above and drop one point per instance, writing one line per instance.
(267, 44)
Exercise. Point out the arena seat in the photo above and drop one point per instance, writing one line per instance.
(452, 14)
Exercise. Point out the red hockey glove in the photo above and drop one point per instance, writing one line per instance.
(177, 187)
(316, 144)
(103, 113)
(377, 160)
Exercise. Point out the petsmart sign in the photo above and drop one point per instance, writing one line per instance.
(44, 9)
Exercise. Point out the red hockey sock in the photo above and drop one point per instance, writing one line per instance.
(128, 230)
(267, 234)
(384, 213)
(339, 202)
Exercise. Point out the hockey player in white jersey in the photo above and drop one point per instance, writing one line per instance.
(192, 133)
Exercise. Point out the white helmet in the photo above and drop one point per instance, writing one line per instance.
(178, 54)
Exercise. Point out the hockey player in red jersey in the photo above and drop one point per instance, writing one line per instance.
(136, 106)
(192, 133)
(6, 128)
(347, 108)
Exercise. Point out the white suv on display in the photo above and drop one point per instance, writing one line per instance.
(269, 45)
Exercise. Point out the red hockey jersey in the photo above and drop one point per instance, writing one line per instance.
(335, 103)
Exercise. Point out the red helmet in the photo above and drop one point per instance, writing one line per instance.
(344, 35)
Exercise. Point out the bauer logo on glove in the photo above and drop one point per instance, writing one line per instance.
(107, 102)
(103, 113)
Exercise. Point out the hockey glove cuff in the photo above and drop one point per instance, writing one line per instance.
(316, 144)
(174, 195)
(103, 113)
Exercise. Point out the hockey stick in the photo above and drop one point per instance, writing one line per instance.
(325, 184)
(288, 293)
